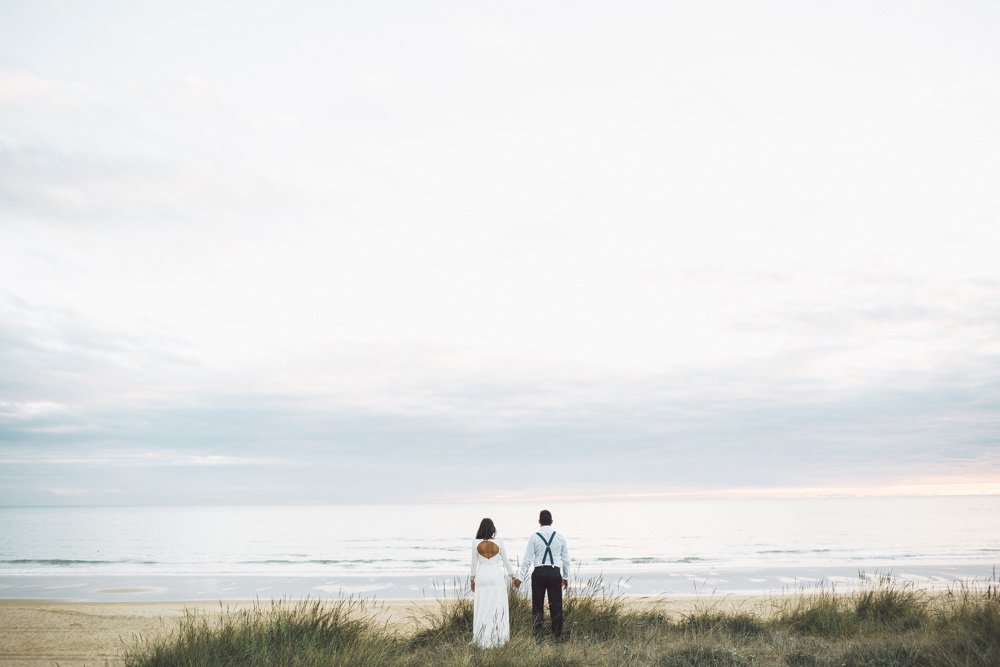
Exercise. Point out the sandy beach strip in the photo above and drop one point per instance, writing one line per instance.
(73, 634)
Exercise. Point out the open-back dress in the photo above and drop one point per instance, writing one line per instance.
(490, 616)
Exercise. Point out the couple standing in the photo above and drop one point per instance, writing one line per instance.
(546, 550)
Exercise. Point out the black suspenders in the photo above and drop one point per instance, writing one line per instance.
(548, 547)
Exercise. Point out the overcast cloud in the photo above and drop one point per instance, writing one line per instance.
(328, 252)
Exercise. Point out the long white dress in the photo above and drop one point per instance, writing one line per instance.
(490, 616)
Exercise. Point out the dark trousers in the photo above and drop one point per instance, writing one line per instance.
(547, 579)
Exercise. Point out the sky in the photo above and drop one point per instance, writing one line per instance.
(363, 252)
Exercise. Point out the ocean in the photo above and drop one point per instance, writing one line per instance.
(664, 547)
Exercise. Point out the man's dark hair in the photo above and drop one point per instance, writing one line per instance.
(545, 518)
(486, 529)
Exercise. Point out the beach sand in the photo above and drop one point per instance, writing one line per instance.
(72, 634)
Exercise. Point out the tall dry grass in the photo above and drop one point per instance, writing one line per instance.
(880, 624)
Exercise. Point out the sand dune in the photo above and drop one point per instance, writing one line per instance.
(43, 632)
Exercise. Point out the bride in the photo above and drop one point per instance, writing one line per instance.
(490, 616)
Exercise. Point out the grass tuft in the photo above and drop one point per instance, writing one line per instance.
(284, 633)
(598, 614)
(822, 613)
(891, 605)
(702, 656)
(739, 625)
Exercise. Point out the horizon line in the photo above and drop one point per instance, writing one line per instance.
(926, 490)
(910, 490)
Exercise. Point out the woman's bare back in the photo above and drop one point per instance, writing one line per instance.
(487, 549)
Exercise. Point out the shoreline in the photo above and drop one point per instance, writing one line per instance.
(689, 582)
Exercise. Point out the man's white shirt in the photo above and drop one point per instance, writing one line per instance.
(536, 551)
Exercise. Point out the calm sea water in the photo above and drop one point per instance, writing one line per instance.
(641, 539)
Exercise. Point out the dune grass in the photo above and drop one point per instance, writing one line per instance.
(880, 624)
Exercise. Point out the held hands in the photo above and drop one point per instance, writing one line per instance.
(517, 584)
(513, 580)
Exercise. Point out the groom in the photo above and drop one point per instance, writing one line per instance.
(548, 549)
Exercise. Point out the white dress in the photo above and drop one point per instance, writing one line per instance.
(490, 616)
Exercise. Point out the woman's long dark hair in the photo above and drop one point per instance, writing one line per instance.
(486, 529)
